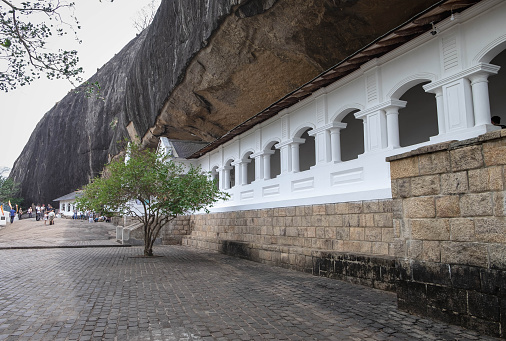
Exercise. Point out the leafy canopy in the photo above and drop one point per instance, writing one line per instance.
(161, 187)
(9, 191)
(26, 27)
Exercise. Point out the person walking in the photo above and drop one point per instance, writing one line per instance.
(20, 213)
(12, 214)
(37, 212)
(29, 212)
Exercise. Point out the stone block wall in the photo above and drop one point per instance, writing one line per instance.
(294, 237)
(361, 227)
(450, 231)
(173, 233)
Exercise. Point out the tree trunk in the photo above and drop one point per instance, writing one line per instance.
(150, 238)
(148, 251)
(148, 241)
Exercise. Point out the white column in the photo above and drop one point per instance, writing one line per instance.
(366, 135)
(392, 114)
(327, 145)
(244, 172)
(481, 101)
(237, 173)
(267, 164)
(335, 141)
(259, 171)
(440, 111)
(294, 147)
(286, 159)
(226, 177)
(221, 178)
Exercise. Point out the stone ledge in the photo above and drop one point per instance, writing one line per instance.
(449, 145)
(422, 150)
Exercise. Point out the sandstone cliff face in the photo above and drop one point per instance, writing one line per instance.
(200, 69)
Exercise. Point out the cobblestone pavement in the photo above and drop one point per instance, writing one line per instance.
(111, 293)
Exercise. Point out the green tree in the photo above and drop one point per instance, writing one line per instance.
(25, 29)
(9, 191)
(162, 188)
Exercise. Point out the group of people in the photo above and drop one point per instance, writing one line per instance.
(43, 212)
(14, 211)
(46, 213)
(90, 216)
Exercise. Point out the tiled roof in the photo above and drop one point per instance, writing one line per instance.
(70, 196)
(187, 148)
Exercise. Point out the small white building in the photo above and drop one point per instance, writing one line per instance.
(330, 142)
(67, 204)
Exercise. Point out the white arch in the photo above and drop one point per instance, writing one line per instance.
(271, 142)
(491, 50)
(249, 150)
(302, 128)
(407, 83)
(345, 110)
(229, 161)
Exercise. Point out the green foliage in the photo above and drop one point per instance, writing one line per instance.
(9, 190)
(90, 89)
(25, 29)
(163, 188)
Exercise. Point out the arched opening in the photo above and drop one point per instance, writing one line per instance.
(418, 120)
(307, 155)
(250, 168)
(215, 177)
(229, 178)
(275, 161)
(497, 88)
(352, 137)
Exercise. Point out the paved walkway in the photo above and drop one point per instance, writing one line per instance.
(65, 232)
(112, 293)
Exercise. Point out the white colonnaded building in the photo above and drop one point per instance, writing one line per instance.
(328, 143)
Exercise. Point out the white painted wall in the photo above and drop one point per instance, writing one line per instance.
(66, 208)
(388, 94)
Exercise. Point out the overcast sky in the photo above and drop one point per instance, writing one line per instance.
(106, 27)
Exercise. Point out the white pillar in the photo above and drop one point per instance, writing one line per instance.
(237, 173)
(481, 101)
(244, 172)
(267, 164)
(221, 178)
(286, 159)
(440, 111)
(366, 135)
(392, 114)
(259, 172)
(294, 147)
(226, 177)
(335, 141)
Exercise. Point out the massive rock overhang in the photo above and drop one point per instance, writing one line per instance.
(414, 27)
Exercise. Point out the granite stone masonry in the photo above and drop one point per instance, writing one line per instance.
(440, 242)
(349, 241)
(449, 223)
